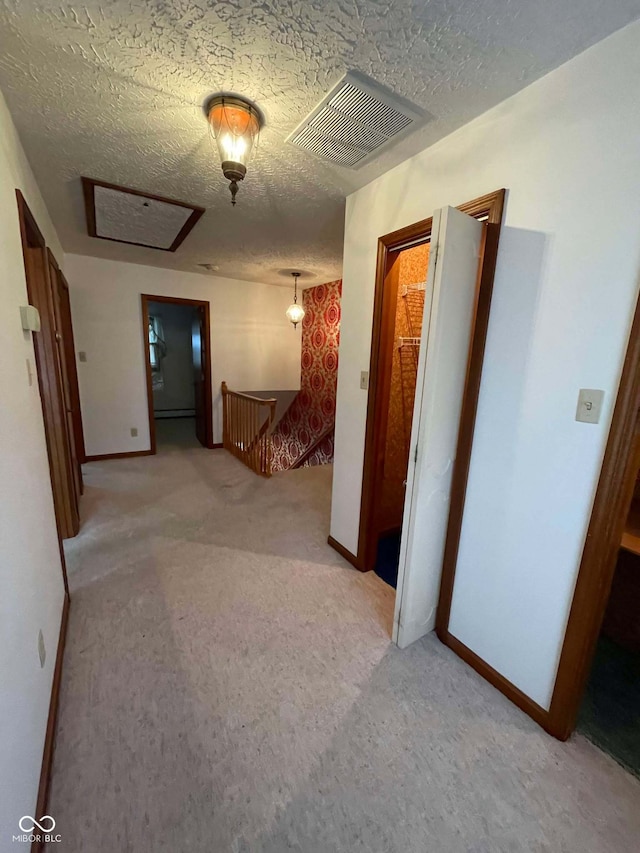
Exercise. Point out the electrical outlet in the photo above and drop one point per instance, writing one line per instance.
(42, 652)
(364, 380)
(134, 432)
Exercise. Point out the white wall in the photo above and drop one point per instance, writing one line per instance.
(30, 571)
(253, 345)
(178, 390)
(567, 148)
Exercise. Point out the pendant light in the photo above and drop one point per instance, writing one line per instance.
(235, 123)
(295, 312)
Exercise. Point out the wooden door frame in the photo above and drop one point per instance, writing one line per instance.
(70, 350)
(604, 534)
(208, 391)
(28, 224)
(65, 378)
(491, 207)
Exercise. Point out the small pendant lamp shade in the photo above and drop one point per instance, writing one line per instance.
(295, 312)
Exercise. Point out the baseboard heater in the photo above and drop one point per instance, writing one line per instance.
(174, 413)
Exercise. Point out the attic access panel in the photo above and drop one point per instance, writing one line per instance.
(356, 121)
(125, 215)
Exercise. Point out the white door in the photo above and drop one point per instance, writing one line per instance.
(449, 310)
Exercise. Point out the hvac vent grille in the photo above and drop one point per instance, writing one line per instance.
(354, 121)
(371, 112)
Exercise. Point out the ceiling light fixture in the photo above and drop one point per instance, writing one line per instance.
(235, 123)
(295, 312)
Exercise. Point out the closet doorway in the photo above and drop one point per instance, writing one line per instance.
(403, 260)
(176, 334)
(404, 296)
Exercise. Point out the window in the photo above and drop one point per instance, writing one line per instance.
(157, 346)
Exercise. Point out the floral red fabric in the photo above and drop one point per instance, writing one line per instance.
(304, 436)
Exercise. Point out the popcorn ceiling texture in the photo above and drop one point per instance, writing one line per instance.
(114, 90)
(136, 219)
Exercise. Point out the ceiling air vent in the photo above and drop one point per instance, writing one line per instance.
(355, 121)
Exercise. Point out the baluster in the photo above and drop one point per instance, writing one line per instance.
(254, 437)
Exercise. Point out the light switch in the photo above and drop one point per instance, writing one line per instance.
(589, 405)
(364, 380)
(82, 356)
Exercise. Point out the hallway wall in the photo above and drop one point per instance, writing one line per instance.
(566, 148)
(30, 570)
(252, 342)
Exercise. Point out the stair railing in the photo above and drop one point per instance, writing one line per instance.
(247, 424)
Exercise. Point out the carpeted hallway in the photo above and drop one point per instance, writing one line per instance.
(229, 685)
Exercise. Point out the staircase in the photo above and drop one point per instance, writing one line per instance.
(264, 431)
(247, 424)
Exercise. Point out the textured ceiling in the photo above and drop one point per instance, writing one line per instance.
(136, 219)
(114, 91)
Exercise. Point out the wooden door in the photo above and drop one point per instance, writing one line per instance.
(50, 381)
(65, 378)
(199, 354)
(449, 313)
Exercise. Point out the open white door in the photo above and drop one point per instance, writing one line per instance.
(449, 309)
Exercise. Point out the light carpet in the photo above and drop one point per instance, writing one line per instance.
(229, 685)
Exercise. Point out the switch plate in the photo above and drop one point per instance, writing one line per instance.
(134, 432)
(364, 380)
(82, 356)
(589, 405)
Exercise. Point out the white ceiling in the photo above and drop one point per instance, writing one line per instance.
(113, 90)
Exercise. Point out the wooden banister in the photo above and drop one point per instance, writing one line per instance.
(247, 424)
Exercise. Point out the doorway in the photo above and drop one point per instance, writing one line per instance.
(176, 334)
(403, 256)
(597, 685)
(405, 287)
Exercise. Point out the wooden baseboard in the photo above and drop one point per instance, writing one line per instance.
(50, 736)
(349, 557)
(129, 454)
(217, 446)
(514, 694)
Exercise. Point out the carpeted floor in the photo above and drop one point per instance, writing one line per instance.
(173, 433)
(229, 685)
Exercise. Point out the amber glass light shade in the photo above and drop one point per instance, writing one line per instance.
(235, 124)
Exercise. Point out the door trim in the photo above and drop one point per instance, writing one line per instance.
(208, 392)
(608, 516)
(48, 355)
(490, 206)
(72, 368)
